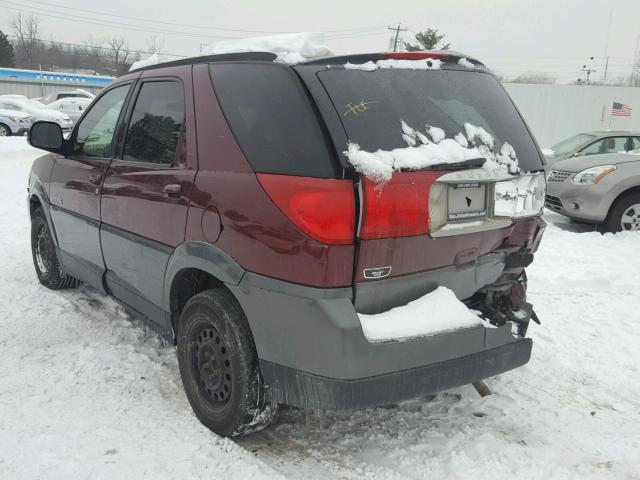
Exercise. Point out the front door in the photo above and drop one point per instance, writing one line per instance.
(76, 183)
(146, 192)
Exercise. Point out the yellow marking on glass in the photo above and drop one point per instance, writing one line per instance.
(357, 108)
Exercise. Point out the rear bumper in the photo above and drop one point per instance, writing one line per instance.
(294, 387)
(313, 352)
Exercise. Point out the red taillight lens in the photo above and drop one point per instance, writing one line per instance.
(412, 55)
(399, 208)
(324, 209)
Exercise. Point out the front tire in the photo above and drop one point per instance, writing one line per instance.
(45, 256)
(219, 365)
(624, 215)
(5, 131)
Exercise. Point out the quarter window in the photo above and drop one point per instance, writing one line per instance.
(95, 133)
(156, 123)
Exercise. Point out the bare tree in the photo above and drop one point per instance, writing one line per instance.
(26, 30)
(155, 45)
(119, 52)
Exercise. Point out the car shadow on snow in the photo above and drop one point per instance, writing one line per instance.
(567, 224)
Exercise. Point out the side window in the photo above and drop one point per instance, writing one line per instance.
(156, 123)
(95, 132)
(636, 143)
(272, 119)
(606, 145)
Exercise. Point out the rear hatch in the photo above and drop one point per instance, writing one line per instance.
(441, 157)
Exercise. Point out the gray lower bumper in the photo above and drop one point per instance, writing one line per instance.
(309, 339)
(301, 389)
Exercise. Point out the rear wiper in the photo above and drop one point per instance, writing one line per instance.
(470, 163)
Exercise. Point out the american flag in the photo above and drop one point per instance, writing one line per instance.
(620, 110)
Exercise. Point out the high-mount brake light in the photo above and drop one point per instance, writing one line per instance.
(325, 209)
(399, 208)
(413, 55)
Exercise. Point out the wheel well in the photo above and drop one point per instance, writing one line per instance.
(629, 191)
(187, 283)
(34, 204)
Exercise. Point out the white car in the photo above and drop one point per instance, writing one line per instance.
(75, 93)
(13, 122)
(38, 113)
(72, 106)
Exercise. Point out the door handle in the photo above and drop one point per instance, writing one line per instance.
(172, 190)
(95, 178)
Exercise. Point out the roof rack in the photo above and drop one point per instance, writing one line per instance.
(223, 57)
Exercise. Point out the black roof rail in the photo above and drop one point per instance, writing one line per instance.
(223, 57)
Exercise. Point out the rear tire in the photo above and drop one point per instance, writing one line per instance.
(5, 131)
(624, 215)
(45, 256)
(219, 365)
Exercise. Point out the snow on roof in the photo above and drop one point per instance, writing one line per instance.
(424, 152)
(290, 48)
(421, 64)
(466, 63)
(436, 312)
(147, 62)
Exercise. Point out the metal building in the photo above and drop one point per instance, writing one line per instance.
(34, 83)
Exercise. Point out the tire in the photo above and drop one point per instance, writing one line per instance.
(5, 131)
(219, 365)
(623, 215)
(45, 257)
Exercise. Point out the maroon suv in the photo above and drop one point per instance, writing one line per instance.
(215, 198)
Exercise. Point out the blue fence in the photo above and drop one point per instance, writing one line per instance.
(12, 74)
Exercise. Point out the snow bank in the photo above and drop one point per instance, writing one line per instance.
(290, 48)
(424, 152)
(147, 62)
(423, 64)
(436, 312)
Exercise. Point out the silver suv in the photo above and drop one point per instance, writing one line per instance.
(600, 189)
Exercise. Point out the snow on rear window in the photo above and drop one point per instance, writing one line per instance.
(422, 64)
(424, 151)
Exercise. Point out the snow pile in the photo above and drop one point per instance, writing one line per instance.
(147, 62)
(436, 312)
(290, 48)
(425, 151)
(422, 64)
(466, 63)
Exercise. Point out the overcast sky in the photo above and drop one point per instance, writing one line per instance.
(511, 36)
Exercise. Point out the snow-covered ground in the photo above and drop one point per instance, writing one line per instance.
(87, 393)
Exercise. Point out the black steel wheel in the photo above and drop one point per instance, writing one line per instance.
(219, 365)
(45, 257)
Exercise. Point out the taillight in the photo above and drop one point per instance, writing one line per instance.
(399, 208)
(324, 209)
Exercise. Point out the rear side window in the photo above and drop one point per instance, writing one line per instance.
(156, 123)
(272, 119)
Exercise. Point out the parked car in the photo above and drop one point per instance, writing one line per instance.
(74, 93)
(13, 122)
(37, 113)
(592, 143)
(74, 107)
(213, 198)
(600, 189)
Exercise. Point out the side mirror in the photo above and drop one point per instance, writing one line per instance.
(578, 154)
(47, 136)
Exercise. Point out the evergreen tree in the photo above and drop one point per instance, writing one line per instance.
(6, 51)
(428, 40)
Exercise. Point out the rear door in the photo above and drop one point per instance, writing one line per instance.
(76, 183)
(146, 191)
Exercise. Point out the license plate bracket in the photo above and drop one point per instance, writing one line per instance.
(466, 201)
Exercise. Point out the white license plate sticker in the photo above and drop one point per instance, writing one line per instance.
(466, 201)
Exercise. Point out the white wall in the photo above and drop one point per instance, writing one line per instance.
(555, 112)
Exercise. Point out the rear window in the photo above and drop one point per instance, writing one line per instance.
(372, 104)
(272, 119)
